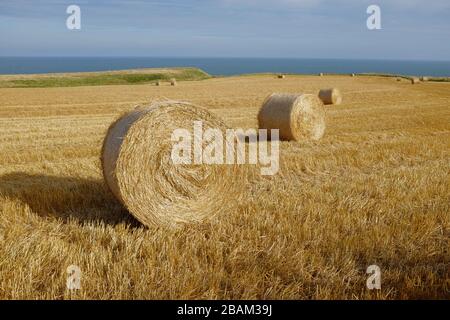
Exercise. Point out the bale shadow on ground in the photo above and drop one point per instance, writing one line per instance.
(66, 198)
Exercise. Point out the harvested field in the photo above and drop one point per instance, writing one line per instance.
(375, 190)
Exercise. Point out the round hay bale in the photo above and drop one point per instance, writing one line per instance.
(173, 82)
(415, 80)
(297, 116)
(330, 96)
(425, 79)
(138, 167)
(281, 76)
(321, 74)
(158, 83)
(353, 75)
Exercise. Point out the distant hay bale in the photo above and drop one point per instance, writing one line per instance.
(330, 96)
(173, 82)
(321, 74)
(158, 83)
(424, 79)
(297, 116)
(353, 75)
(281, 76)
(415, 80)
(138, 167)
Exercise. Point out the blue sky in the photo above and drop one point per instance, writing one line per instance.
(411, 29)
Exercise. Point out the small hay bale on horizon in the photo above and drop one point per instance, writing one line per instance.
(299, 117)
(330, 96)
(424, 79)
(281, 76)
(321, 74)
(138, 168)
(415, 80)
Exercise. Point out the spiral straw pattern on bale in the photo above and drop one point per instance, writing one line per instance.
(298, 117)
(330, 96)
(138, 168)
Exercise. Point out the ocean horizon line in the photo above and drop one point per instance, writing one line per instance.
(222, 66)
(222, 57)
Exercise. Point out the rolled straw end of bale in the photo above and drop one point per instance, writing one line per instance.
(415, 80)
(298, 117)
(138, 167)
(330, 96)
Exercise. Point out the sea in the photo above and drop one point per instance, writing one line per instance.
(224, 66)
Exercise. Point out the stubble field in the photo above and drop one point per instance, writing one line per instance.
(374, 191)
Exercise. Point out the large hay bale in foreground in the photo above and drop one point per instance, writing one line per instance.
(138, 167)
(298, 117)
(330, 96)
